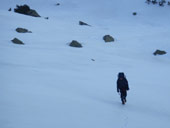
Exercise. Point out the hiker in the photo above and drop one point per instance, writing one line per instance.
(122, 86)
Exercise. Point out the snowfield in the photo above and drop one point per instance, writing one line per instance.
(48, 84)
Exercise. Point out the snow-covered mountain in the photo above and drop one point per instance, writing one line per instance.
(46, 83)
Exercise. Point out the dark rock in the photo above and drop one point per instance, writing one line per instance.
(108, 38)
(23, 30)
(17, 41)
(9, 9)
(148, 1)
(161, 4)
(159, 52)
(163, 1)
(83, 23)
(25, 9)
(22, 9)
(46, 18)
(33, 13)
(93, 59)
(134, 13)
(75, 43)
(57, 4)
(154, 2)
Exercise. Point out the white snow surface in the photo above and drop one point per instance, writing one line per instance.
(48, 84)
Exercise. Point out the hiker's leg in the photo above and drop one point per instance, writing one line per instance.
(122, 97)
(125, 95)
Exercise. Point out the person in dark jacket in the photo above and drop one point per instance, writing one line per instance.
(122, 86)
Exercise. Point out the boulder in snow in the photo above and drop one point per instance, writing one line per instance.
(159, 52)
(154, 2)
(108, 38)
(134, 13)
(75, 43)
(10, 9)
(17, 41)
(25, 9)
(168, 2)
(57, 4)
(46, 18)
(83, 23)
(23, 30)
(33, 13)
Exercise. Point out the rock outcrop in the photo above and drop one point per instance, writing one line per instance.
(108, 38)
(76, 44)
(17, 41)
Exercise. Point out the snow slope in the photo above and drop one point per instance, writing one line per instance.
(46, 83)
